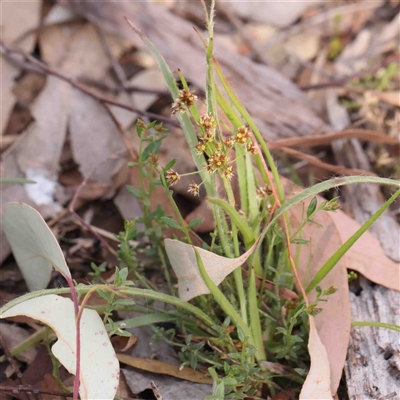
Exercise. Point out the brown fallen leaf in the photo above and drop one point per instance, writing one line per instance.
(365, 256)
(160, 367)
(279, 108)
(333, 323)
(317, 384)
(319, 140)
(17, 18)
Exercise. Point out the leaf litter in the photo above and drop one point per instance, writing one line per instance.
(95, 129)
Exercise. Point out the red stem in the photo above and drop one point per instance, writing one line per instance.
(78, 337)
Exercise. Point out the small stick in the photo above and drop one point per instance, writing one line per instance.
(30, 389)
(36, 65)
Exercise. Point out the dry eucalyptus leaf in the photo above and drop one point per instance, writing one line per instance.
(365, 256)
(35, 248)
(184, 263)
(333, 323)
(99, 366)
(278, 107)
(164, 368)
(16, 18)
(317, 384)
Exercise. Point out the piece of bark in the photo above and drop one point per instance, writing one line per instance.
(277, 106)
(373, 364)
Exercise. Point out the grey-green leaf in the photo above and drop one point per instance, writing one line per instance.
(35, 248)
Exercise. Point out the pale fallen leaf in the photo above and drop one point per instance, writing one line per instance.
(164, 368)
(369, 43)
(99, 365)
(279, 108)
(280, 14)
(365, 256)
(333, 323)
(317, 384)
(35, 248)
(392, 97)
(16, 18)
(184, 263)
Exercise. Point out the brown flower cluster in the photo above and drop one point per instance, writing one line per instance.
(264, 192)
(243, 136)
(186, 98)
(208, 123)
(172, 177)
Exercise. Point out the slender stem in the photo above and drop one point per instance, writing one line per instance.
(78, 337)
(237, 273)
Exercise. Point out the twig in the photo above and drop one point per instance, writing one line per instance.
(36, 65)
(119, 72)
(116, 89)
(122, 132)
(30, 389)
(11, 360)
(71, 206)
(338, 169)
(344, 81)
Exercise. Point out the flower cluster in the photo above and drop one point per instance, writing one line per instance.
(243, 135)
(172, 177)
(194, 189)
(186, 98)
(208, 123)
(264, 192)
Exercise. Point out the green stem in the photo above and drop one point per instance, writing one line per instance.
(237, 273)
(227, 307)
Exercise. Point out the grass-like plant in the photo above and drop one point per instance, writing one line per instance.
(238, 328)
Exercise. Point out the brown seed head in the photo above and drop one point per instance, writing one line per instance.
(194, 189)
(172, 177)
(242, 135)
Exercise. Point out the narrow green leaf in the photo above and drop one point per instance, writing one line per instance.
(171, 222)
(237, 219)
(133, 292)
(312, 207)
(322, 187)
(195, 222)
(328, 266)
(147, 319)
(18, 181)
(151, 148)
(224, 303)
(170, 165)
(376, 325)
(135, 191)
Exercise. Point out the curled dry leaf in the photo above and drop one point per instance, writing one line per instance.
(99, 366)
(35, 248)
(184, 263)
